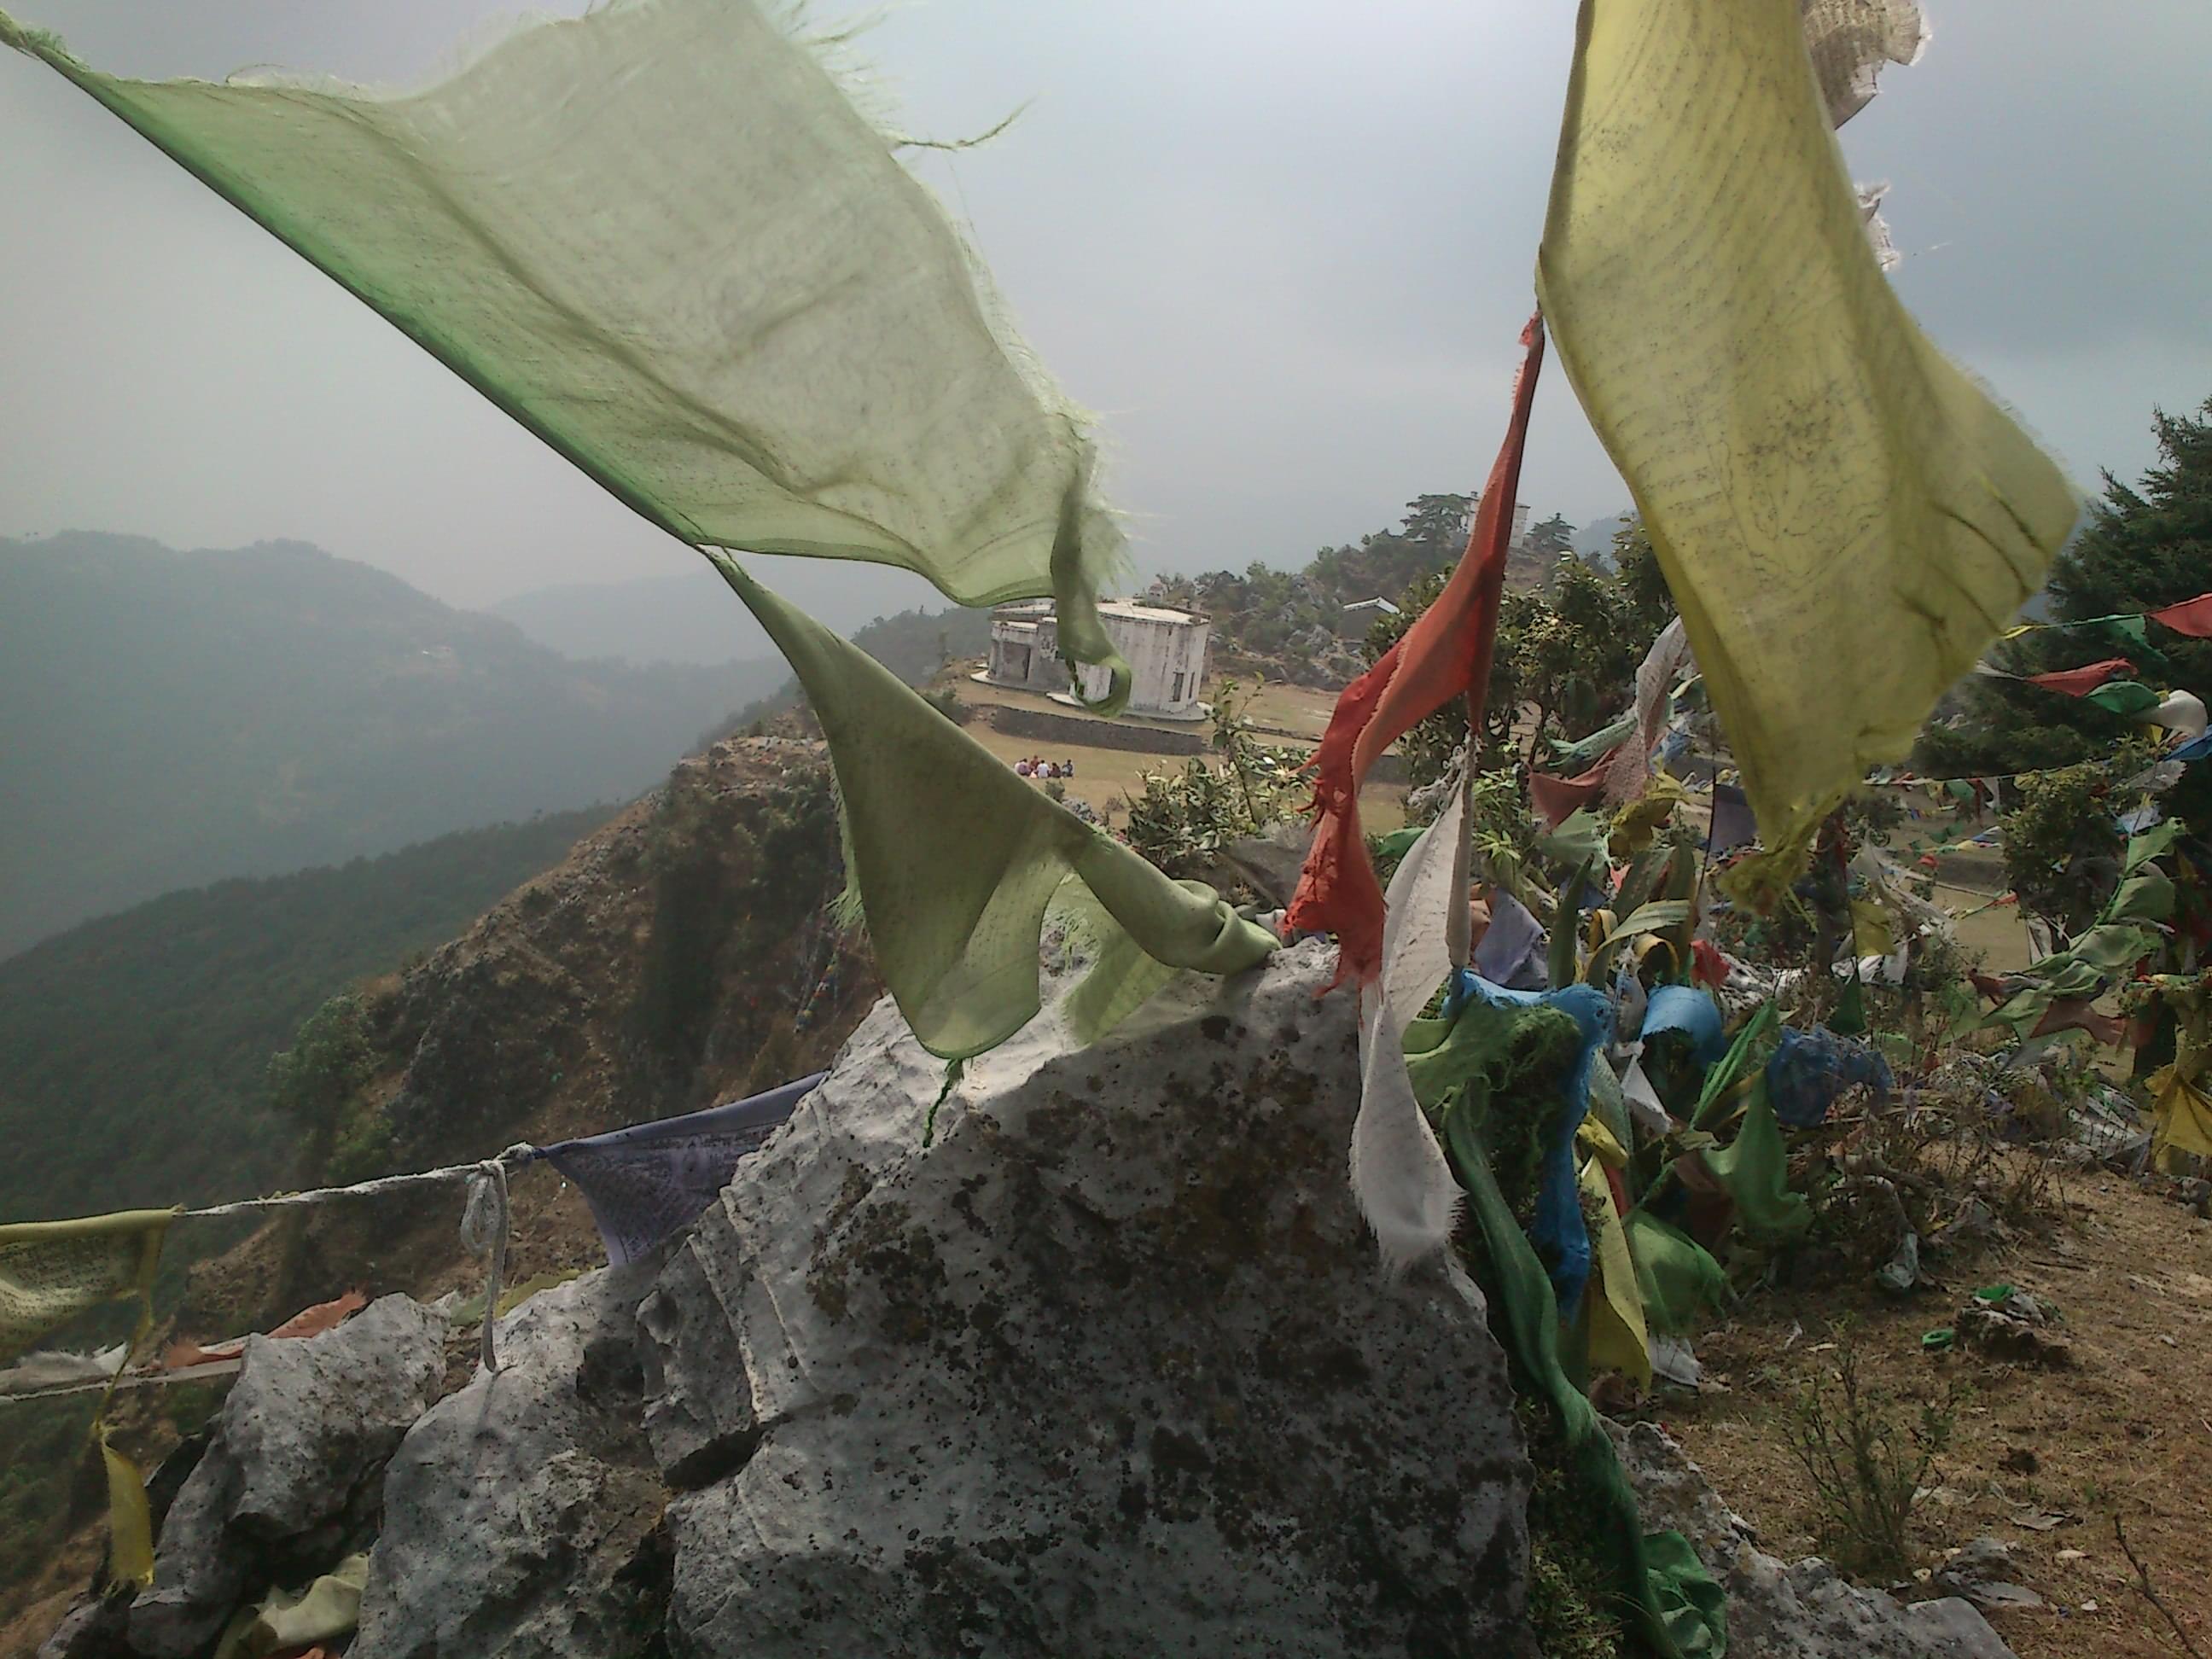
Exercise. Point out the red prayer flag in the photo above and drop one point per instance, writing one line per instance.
(2190, 617)
(1558, 799)
(2077, 1015)
(2079, 681)
(1444, 655)
(1707, 966)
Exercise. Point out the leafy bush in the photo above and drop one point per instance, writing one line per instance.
(1182, 819)
(947, 701)
(330, 1061)
(2062, 847)
(1869, 1455)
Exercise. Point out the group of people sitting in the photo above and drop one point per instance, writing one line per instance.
(1034, 768)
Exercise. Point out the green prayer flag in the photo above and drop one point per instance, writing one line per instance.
(2155, 842)
(1676, 1275)
(662, 238)
(2126, 698)
(1755, 1168)
(1684, 1613)
(956, 860)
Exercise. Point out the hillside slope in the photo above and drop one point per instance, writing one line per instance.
(133, 1049)
(179, 718)
(682, 955)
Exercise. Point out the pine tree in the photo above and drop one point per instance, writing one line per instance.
(2144, 547)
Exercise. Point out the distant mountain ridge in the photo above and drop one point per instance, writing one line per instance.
(176, 718)
(694, 618)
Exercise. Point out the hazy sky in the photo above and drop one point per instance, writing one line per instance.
(1284, 250)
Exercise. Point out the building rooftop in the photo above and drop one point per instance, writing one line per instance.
(1136, 612)
(1026, 610)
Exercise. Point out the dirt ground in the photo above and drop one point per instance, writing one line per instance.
(2127, 1430)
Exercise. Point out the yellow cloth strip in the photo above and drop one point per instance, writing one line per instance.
(1618, 1339)
(1844, 518)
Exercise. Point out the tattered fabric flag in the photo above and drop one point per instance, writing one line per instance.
(50, 1271)
(1844, 518)
(1851, 41)
(2190, 617)
(663, 239)
(1444, 655)
(2129, 699)
(2182, 1119)
(1682, 1610)
(1486, 1035)
(1512, 949)
(1399, 1176)
(1628, 770)
(2076, 681)
(1558, 799)
(1808, 1069)
(2113, 1030)
(287, 1621)
(2182, 713)
(1734, 824)
(644, 1182)
(956, 860)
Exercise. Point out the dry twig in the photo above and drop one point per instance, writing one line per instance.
(2143, 1573)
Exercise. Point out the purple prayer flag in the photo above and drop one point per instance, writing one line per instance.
(645, 1181)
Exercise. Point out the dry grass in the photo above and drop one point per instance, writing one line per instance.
(2127, 1430)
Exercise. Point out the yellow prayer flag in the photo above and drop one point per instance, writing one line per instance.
(1872, 931)
(1618, 1337)
(2183, 1121)
(52, 1271)
(1844, 518)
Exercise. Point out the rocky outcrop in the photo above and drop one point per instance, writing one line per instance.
(1088, 1354)
(1110, 1369)
(1777, 1611)
(291, 1479)
(522, 1516)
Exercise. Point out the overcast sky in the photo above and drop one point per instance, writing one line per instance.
(1283, 250)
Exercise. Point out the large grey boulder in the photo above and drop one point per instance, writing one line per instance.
(1107, 1369)
(1776, 1611)
(521, 1515)
(292, 1476)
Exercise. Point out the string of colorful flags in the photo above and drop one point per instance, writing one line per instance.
(641, 1183)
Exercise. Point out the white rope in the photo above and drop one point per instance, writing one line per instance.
(484, 1218)
(520, 1152)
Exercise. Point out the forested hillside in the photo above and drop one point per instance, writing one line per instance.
(134, 1050)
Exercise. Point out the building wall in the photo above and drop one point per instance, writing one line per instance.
(1167, 663)
(1167, 660)
(1027, 654)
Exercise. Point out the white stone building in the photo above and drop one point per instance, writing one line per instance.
(1165, 649)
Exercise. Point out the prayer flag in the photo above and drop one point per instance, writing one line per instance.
(1558, 799)
(2129, 699)
(1843, 517)
(2190, 617)
(52, 1271)
(1444, 655)
(2077, 682)
(661, 237)
(956, 860)
(644, 1182)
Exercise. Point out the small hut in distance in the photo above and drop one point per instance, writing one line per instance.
(1165, 648)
